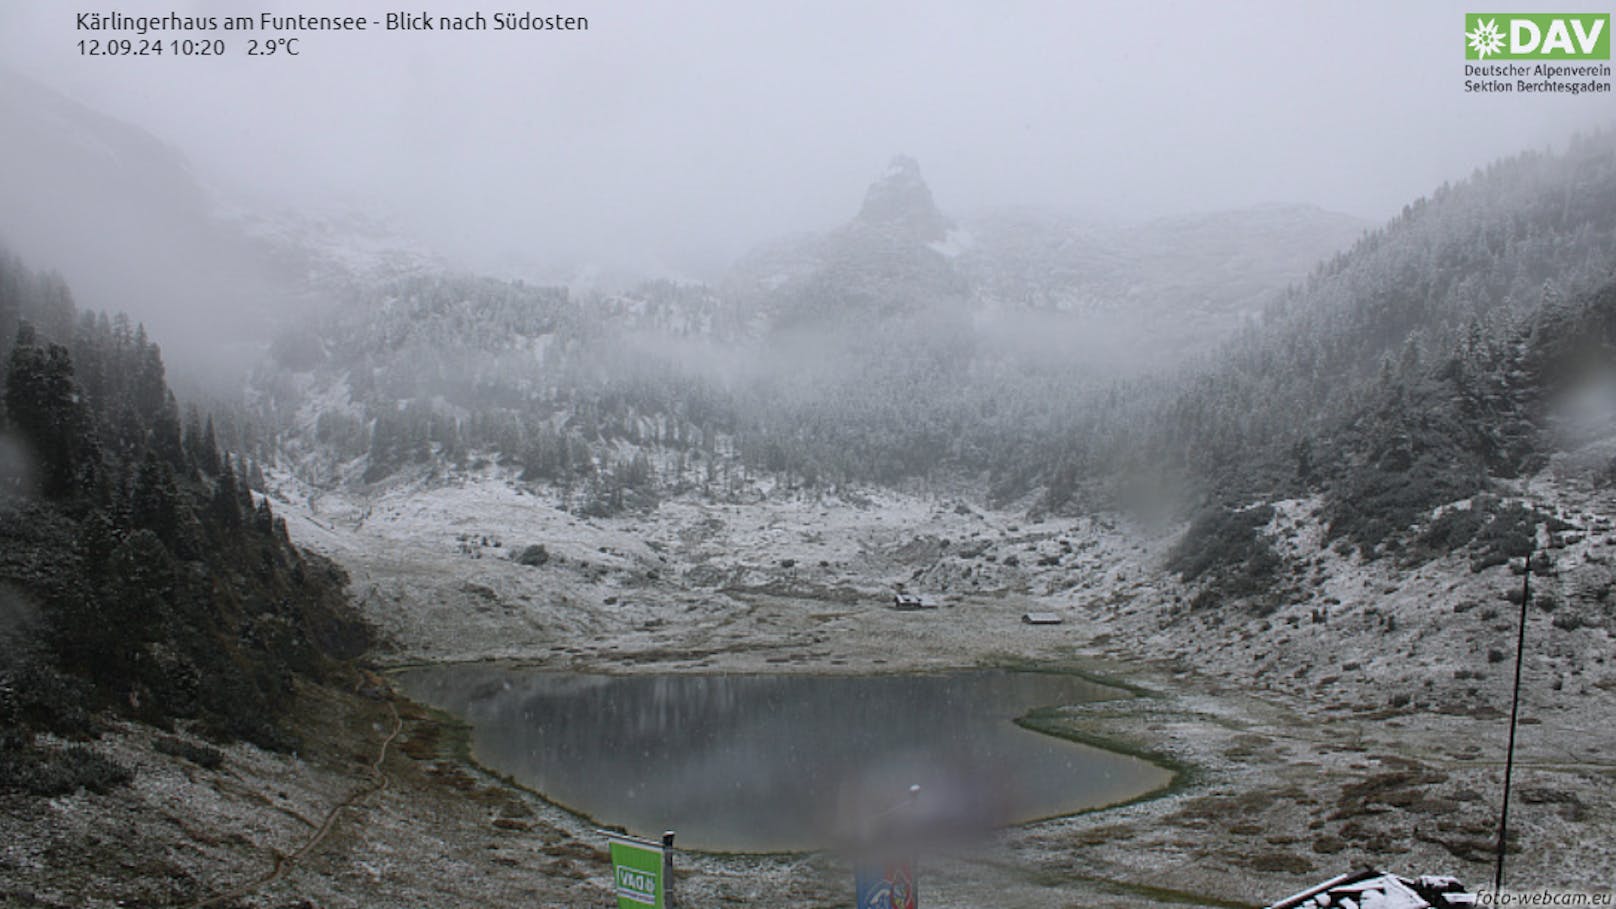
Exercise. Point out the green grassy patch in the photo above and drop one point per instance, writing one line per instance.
(1072, 668)
(1051, 721)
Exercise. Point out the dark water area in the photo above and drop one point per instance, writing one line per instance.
(764, 763)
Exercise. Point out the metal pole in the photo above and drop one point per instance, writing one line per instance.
(667, 869)
(1514, 712)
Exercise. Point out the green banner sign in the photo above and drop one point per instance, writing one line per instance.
(637, 874)
(1537, 36)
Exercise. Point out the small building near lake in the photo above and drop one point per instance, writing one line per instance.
(907, 602)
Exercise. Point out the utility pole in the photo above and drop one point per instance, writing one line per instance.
(667, 869)
(1514, 712)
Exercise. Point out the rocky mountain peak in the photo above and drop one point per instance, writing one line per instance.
(900, 200)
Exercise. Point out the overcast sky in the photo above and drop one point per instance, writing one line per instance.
(679, 129)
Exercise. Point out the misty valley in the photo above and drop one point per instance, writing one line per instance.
(1077, 561)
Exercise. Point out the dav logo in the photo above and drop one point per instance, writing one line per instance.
(1537, 36)
(637, 886)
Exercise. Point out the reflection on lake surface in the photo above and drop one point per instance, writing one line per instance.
(772, 762)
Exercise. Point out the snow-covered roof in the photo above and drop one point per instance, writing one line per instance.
(1371, 889)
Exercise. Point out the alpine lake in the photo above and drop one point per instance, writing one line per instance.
(785, 763)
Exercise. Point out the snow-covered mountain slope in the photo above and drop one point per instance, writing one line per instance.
(1167, 288)
(125, 219)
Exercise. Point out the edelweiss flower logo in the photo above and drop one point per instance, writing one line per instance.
(1486, 39)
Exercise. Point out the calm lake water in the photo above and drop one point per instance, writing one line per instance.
(762, 763)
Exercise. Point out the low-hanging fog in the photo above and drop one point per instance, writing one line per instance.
(672, 137)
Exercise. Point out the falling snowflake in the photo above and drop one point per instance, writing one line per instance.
(1486, 39)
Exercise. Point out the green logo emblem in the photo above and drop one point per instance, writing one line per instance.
(1537, 36)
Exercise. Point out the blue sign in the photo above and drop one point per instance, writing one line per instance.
(889, 886)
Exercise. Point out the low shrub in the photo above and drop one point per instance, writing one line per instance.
(534, 555)
(1228, 550)
(60, 771)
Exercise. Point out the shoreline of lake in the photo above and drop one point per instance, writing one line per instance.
(1151, 775)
